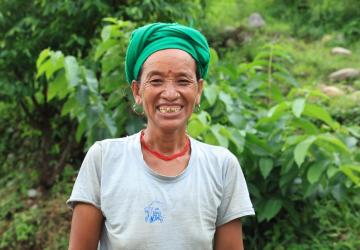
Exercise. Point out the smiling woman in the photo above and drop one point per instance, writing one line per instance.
(160, 188)
(168, 90)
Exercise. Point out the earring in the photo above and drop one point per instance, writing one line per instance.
(197, 108)
(138, 109)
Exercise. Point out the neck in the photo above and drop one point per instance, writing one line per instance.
(166, 142)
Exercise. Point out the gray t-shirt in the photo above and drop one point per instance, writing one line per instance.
(146, 210)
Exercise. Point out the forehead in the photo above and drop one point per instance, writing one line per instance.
(169, 61)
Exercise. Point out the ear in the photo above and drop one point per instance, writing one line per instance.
(135, 88)
(200, 85)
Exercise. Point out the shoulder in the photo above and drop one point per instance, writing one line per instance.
(116, 143)
(215, 154)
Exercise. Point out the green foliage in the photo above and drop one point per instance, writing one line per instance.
(326, 224)
(313, 19)
(21, 230)
(287, 142)
(63, 75)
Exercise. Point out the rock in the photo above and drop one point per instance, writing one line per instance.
(344, 74)
(256, 21)
(233, 36)
(32, 193)
(327, 38)
(331, 91)
(355, 96)
(341, 51)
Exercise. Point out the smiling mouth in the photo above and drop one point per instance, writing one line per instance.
(166, 110)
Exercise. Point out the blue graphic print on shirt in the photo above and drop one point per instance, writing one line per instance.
(153, 212)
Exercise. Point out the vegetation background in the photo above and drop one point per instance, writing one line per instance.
(268, 98)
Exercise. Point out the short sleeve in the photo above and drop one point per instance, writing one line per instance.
(235, 202)
(87, 185)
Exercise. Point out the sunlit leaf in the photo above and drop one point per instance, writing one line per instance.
(211, 93)
(298, 107)
(72, 71)
(320, 113)
(43, 55)
(301, 150)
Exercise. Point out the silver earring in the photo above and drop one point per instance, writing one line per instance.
(138, 109)
(197, 108)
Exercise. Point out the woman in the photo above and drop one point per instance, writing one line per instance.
(159, 188)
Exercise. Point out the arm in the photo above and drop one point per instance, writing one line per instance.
(86, 226)
(229, 236)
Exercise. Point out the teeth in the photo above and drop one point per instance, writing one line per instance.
(169, 109)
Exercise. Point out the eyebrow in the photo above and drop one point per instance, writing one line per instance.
(156, 72)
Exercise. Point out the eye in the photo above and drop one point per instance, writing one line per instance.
(156, 81)
(184, 82)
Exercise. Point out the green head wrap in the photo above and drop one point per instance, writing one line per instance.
(148, 39)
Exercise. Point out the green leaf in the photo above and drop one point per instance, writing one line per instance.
(213, 57)
(272, 208)
(266, 165)
(288, 178)
(278, 110)
(110, 124)
(320, 113)
(91, 80)
(69, 105)
(210, 93)
(334, 141)
(301, 150)
(298, 106)
(106, 32)
(237, 138)
(204, 117)
(80, 130)
(72, 71)
(355, 131)
(92, 116)
(104, 47)
(353, 172)
(43, 55)
(227, 100)
(306, 125)
(332, 171)
(58, 87)
(315, 171)
(82, 95)
(222, 140)
(195, 127)
(210, 138)
(257, 146)
(54, 63)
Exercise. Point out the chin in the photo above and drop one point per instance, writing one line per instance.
(169, 126)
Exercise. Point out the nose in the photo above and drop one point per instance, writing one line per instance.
(170, 91)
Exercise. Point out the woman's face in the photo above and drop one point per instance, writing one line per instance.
(168, 89)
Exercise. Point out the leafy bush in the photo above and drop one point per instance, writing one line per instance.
(286, 139)
(313, 19)
(301, 164)
(326, 224)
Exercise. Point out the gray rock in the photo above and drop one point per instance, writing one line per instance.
(341, 51)
(32, 193)
(331, 91)
(256, 21)
(343, 74)
(355, 96)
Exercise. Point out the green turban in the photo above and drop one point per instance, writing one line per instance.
(148, 39)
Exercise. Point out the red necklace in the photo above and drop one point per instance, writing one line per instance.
(160, 155)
